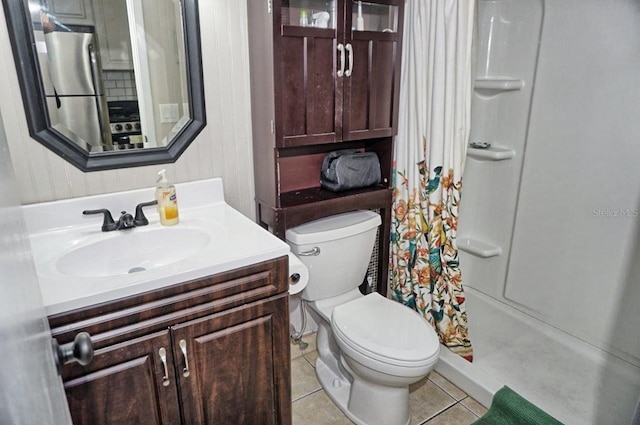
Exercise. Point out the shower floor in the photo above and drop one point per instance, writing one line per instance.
(569, 379)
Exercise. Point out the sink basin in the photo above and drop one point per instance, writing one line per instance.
(79, 266)
(132, 251)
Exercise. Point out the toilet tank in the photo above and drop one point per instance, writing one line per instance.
(336, 250)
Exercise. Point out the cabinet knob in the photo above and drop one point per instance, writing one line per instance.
(80, 350)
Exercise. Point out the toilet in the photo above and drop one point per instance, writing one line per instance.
(370, 348)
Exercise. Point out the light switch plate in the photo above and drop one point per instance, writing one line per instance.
(169, 113)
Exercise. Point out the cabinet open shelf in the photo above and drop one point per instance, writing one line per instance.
(492, 153)
(298, 31)
(317, 194)
(478, 248)
(301, 206)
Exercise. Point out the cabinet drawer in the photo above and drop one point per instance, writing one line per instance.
(119, 320)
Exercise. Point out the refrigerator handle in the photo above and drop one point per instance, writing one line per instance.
(98, 89)
(58, 103)
(94, 63)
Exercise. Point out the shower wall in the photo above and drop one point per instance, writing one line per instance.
(508, 38)
(551, 228)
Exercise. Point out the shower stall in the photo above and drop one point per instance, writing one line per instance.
(549, 232)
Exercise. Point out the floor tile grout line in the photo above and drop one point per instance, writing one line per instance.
(451, 407)
(309, 362)
(468, 397)
(471, 411)
(448, 393)
(439, 412)
(307, 395)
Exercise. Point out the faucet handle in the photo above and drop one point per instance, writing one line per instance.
(108, 224)
(125, 221)
(140, 219)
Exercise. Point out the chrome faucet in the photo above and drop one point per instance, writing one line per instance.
(126, 220)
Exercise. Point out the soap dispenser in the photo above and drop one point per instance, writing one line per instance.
(167, 200)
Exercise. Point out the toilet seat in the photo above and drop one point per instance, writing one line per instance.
(385, 331)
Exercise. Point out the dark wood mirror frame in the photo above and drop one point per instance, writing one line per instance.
(24, 53)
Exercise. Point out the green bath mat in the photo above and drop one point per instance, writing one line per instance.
(509, 408)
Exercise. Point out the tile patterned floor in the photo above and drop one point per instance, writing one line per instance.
(433, 401)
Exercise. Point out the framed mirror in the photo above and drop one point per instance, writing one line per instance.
(109, 83)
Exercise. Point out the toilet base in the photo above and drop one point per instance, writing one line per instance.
(393, 403)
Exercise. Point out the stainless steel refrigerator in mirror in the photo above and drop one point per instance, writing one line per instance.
(75, 94)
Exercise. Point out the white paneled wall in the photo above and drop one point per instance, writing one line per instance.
(223, 149)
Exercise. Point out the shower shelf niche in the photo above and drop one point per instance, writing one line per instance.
(492, 153)
(493, 86)
(478, 248)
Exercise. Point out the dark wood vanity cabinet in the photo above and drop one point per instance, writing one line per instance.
(213, 350)
(317, 88)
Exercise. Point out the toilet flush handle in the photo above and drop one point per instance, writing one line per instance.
(314, 251)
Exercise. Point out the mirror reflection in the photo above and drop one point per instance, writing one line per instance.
(113, 71)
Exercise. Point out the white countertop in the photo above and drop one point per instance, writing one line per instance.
(55, 227)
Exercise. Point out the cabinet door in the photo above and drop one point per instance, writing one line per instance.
(112, 26)
(373, 56)
(309, 99)
(125, 384)
(233, 367)
(73, 12)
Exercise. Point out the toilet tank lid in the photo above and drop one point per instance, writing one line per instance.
(334, 227)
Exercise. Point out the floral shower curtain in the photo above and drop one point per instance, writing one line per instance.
(433, 131)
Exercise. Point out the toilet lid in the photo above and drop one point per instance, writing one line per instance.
(376, 325)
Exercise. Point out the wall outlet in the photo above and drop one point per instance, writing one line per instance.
(169, 113)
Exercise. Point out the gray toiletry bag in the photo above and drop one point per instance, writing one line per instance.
(349, 169)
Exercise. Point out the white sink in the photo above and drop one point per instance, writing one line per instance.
(130, 251)
(79, 265)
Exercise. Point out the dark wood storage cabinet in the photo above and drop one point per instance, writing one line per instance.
(316, 89)
(213, 350)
